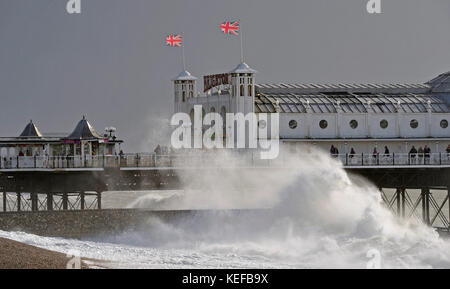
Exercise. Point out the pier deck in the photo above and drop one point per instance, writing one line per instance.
(47, 184)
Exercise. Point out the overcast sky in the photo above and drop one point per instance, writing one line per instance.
(110, 62)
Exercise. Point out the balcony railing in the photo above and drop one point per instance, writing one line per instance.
(183, 160)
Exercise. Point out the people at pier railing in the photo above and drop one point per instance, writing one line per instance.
(352, 153)
(420, 154)
(427, 153)
(413, 152)
(334, 151)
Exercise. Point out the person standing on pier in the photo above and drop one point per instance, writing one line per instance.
(412, 153)
(427, 152)
(420, 154)
(352, 153)
(332, 150)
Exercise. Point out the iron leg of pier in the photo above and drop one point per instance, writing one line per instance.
(82, 203)
(5, 201)
(49, 202)
(422, 200)
(427, 199)
(403, 192)
(448, 194)
(19, 201)
(65, 201)
(425, 196)
(398, 200)
(34, 201)
(99, 200)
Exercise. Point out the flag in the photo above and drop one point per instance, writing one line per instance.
(230, 27)
(174, 40)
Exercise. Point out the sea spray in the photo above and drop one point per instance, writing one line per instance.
(318, 217)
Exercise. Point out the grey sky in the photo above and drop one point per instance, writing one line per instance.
(111, 64)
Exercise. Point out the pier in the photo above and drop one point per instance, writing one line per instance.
(72, 183)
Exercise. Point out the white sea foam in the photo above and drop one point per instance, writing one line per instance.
(319, 218)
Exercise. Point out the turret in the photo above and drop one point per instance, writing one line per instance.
(243, 88)
(184, 89)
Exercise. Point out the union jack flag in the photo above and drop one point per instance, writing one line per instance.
(174, 40)
(230, 27)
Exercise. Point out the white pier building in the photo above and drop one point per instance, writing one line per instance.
(362, 117)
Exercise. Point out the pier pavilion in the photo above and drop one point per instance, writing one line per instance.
(33, 149)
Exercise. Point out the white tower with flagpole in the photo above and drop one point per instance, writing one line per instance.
(185, 83)
(243, 82)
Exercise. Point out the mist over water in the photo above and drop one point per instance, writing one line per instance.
(313, 216)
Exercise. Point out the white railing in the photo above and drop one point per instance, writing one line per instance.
(192, 160)
(394, 159)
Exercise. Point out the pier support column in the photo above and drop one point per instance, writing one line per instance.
(448, 194)
(398, 200)
(19, 201)
(427, 199)
(403, 203)
(99, 200)
(49, 202)
(5, 200)
(65, 201)
(425, 196)
(422, 197)
(34, 201)
(82, 202)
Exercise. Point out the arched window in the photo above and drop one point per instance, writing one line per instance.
(249, 90)
(223, 113)
(192, 116)
(184, 96)
(242, 90)
(213, 110)
(191, 94)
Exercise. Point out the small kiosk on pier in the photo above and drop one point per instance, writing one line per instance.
(33, 149)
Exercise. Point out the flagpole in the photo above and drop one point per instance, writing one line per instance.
(183, 61)
(242, 47)
(182, 57)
